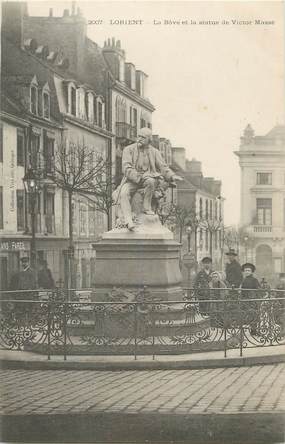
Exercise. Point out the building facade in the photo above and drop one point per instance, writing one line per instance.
(262, 220)
(45, 104)
(130, 108)
(202, 195)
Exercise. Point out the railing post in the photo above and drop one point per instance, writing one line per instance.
(225, 328)
(240, 324)
(48, 327)
(64, 330)
(153, 331)
(136, 329)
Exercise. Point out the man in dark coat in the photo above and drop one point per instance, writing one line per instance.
(201, 284)
(233, 270)
(45, 279)
(25, 279)
(250, 309)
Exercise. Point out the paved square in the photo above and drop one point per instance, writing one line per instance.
(224, 390)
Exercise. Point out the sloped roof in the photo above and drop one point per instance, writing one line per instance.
(277, 131)
(18, 69)
(11, 107)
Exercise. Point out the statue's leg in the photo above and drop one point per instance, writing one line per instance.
(126, 191)
(149, 187)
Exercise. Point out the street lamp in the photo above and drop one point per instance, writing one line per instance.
(32, 188)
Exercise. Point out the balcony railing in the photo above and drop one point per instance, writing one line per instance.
(262, 229)
(125, 131)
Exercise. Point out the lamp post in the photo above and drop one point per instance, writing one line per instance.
(32, 188)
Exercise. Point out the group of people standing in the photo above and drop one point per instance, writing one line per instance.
(235, 276)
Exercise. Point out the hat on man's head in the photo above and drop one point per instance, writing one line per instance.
(206, 260)
(231, 252)
(25, 259)
(145, 132)
(248, 265)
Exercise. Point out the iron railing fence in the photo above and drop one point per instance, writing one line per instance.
(54, 323)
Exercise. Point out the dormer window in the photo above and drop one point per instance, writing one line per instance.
(100, 112)
(34, 99)
(46, 101)
(81, 104)
(34, 96)
(89, 104)
(73, 101)
(46, 105)
(71, 98)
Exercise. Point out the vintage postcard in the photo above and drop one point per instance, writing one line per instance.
(142, 222)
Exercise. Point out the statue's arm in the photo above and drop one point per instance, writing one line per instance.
(129, 170)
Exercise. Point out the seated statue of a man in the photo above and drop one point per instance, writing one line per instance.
(143, 168)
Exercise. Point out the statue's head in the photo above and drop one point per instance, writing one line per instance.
(144, 136)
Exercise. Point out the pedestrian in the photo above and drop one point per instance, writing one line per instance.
(216, 284)
(233, 269)
(249, 282)
(201, 284)
(250, 310)
(25, 279)
(45, 279)
(217, 291)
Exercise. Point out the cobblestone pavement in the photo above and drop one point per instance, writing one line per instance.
(224, 390)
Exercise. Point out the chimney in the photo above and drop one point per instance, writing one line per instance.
(115, 58)
(12, 21)
(194, 167)
(178, 156)
(50, 12)
(248, 135)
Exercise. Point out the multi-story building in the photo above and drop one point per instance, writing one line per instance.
(130, 106)
(262, 215)
(45, 103)
(122, 87)
(203, 196)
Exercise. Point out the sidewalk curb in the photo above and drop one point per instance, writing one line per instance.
(14, 364)
(240, 427)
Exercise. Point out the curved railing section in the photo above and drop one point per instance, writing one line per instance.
(61, 322)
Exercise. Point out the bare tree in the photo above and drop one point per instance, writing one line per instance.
(79, 169)
(178, 216)
(211, 225)
(231, 237)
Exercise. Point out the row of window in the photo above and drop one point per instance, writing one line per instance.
(90, 220)
(85, 105)
(205, 237)
(121, 115)
(48, 206)
(210, 209)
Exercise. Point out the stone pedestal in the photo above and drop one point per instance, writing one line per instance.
(147, 256)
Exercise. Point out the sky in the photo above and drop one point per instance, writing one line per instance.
(206, 81)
